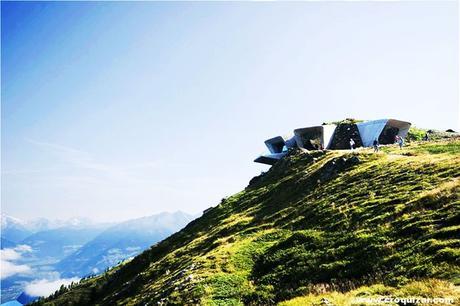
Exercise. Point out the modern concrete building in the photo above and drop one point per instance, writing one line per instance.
(329, 136)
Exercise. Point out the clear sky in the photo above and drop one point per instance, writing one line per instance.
(115, 110)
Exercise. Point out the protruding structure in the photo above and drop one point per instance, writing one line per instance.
(278, 149)
(314, 137)
(275, 144)
(269, 159)
(384, 130)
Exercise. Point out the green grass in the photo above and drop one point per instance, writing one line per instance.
(429, 288)
(450, 147)
(304, 227)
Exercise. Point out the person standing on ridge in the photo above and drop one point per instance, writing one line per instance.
(376, 145)
(400, 142)
(352, 144)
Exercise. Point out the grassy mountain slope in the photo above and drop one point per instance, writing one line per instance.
(333, 224)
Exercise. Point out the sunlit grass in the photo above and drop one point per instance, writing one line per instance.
(428, 288)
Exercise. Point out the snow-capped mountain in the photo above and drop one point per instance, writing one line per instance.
(14, 229)
(43, 224)
(8, 221)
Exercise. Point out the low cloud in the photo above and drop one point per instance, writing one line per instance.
(10, 269)
(46, 287)
(8, 258)
(23, 248)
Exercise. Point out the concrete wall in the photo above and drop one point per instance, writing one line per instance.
(291, 143)
(370, 130)
(403, 126)
(275, 144)
(328, 133)
(322, 134)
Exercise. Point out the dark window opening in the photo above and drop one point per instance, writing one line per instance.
(277, 147)
(388, 135)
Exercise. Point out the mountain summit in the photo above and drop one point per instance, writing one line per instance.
(324, 226)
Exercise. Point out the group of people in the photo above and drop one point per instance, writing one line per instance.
(398, 139)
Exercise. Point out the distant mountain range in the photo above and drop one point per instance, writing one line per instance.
(121, 241)
(58, 243)
(15, 230)
(77, 247)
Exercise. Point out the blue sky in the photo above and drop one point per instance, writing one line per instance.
(115, 110)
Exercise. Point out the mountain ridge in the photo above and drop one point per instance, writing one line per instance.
(314, 224)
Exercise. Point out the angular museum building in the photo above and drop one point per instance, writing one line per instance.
(335, 137)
